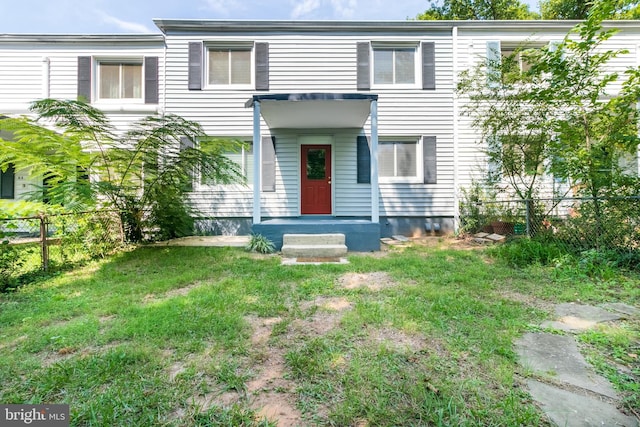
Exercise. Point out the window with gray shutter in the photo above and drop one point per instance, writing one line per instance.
(269, 163)
(151, 80)
(363, 160)
(430, 159)
(428, 66)
(262, 66)
(195, 65)
(363, 66)
(7, 181)
(84, 78)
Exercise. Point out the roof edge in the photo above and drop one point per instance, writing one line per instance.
(83, 38)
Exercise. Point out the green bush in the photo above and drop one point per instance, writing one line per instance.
(10, 263)
(261, 244)
(525, 251)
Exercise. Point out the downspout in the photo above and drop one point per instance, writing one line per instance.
(46, 77)
(456, 179)
(375, 198)
(257, 163)
(164, 79)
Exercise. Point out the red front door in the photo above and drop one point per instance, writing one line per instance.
(316, 180)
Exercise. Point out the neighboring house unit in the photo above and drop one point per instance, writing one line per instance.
(350, 127)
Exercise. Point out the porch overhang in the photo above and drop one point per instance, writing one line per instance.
(314, 110)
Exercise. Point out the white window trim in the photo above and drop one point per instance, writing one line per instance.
(417, 64)
(250, 46)
(419, 178)
(116, 60)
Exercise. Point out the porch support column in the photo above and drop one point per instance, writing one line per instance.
(257, 163)
(375, 198)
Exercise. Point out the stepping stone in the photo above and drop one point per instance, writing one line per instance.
(626, 309)
(557, 357)
(565, 408)
(496, 237)
(577, 317)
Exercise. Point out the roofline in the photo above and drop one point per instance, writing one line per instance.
(313, 96)
(215, 25)
(83, 38)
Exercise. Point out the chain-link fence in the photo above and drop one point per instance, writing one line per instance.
(575, 224)
(32, 244)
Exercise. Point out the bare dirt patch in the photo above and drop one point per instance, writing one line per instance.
(398, 339)
(528, 300)
(374, 281)
(178, 292)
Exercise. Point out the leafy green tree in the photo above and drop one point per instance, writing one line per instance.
(477, 10)
(583, 110)
(144, 173)
(579, 9)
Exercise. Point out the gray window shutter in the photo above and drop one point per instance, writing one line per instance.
(84, 78)
(430, 159)
(363, 70)
(262, 66)
(185, 143)
(428, 65)
(195, 65)
(151, 80)
(7, 179)
(268, 163)
(363, 160)
(494, 60)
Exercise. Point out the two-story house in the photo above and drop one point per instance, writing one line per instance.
(351, 127)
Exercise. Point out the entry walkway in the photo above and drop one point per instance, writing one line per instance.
(566, 386)
(237, 241)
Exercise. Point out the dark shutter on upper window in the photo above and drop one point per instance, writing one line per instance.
(363, 70)
(195, 65)
(363, 160)
(7, 180)
(430, 159)
(268, 163)
(262, 66)
(428, 65)
(151, 80)
(84, 78)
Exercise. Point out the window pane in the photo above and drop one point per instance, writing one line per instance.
(248, 171)
(386, 159)
(383, 66)
(405, 67)
(109, 81)
(132, 80)
(316, 164)
(219, 67)
(240, 66)
(406, 158)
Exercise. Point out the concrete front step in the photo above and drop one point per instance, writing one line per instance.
(314, 245)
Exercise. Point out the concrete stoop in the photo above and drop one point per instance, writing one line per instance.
(314, 245)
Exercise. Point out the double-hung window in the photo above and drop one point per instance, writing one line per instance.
(395, 65)
(120, 80)
(400, 161)
(230, 65)
(242, 157)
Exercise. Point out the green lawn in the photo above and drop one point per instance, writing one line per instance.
(217, 336)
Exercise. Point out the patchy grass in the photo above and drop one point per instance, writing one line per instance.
(184, 336)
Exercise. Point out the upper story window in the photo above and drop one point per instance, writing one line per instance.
(113, 80)
(119, 80)
(394, 66)
(230, 66)
(383, 64)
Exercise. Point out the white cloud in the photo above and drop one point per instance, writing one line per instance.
(133, 27)
(224, 7)
(304, 7)
(344, 8)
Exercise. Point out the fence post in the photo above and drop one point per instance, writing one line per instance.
(528, 203)
(43, 242)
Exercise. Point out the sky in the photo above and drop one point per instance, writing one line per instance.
(136, 16)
